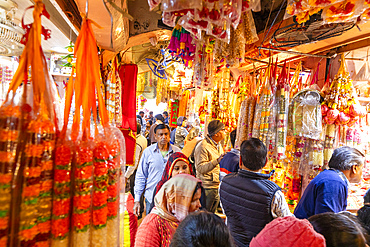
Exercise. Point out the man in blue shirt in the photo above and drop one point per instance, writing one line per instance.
(230, 162)
(165, 116)
(328, 191)
(151, 166)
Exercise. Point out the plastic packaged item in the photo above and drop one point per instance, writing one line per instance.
(10, 119)
(27, 134)
(245, 122)
(339, 100)
(174, 5)
(330, 134)
(221, 32)
(232, 11)
(322, 3)
(82, 194)
(306, 114)
(153, 4)
(343, 11)
(250, 32)
(62, 194)
(169, 18)
(254, 5)
(192, 26)
(365, 16)
(113, 96)
(211, 12)
(97, 172)
(295, 7)
(282, 98)
(364, 73)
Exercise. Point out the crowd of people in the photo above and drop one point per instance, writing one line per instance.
(185, 181)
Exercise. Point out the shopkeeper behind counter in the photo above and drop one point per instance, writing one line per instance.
(328, 191)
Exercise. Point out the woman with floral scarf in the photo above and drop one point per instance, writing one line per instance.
(178, 197)
(176, 164)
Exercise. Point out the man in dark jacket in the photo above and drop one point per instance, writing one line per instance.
(249, 199)
(230, 162)
(328, 191)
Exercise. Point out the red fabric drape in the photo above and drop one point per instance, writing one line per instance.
(128, 75)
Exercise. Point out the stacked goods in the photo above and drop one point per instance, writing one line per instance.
(282, 97)
(263, 113)
(97, 169)
(105, 191)
(113, 190)
(82, 194)
(9, 121)
(62, 196)
(100, 194)
(245, 122)
(27, 136)
(36, 201)
(264, 126)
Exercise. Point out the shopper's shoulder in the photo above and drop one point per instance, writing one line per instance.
(230, 177)
(150, 149)
(327, 177)
(175, 148)
(232, 155)
(150, 221)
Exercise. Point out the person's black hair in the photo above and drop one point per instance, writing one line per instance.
(233, 137)
(199, 186)
(345, 157)
(159, 117)
(139, 119)
(165, 113)
(138, 128)
(161, 127)
(151, 112)
(253, 153)
(339, 229)
(363, 214)
(202, 229)
(367, 196)
(141, 112)
(150, 122)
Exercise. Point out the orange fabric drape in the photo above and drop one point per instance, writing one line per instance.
(184, 103)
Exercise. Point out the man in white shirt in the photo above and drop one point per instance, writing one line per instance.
(151, 166)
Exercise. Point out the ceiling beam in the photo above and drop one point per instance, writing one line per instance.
(70, 11)
(61, 20)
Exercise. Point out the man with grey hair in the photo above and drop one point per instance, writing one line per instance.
(328, 191)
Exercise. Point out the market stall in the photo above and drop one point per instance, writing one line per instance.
(302, 105)
(300, 83)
